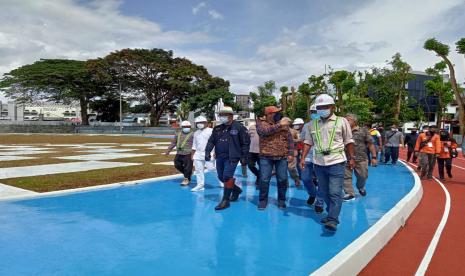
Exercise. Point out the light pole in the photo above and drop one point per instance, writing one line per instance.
(120, 109)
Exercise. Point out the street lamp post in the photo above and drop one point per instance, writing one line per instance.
(120, 109)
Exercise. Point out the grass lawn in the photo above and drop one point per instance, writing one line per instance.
(63, 181)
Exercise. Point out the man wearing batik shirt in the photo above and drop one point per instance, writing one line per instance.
(276, 149)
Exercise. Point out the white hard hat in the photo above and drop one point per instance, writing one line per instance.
(226, 110)
(200, 119)
(186, 124)
(313, 107)
(298, 121)
(324, 99)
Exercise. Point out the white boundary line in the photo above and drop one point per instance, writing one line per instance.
(458, 167)
(89, 189)
(437, 235)
(352, 259)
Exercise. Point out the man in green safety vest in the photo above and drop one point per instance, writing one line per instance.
(331, 136)
(182, 141)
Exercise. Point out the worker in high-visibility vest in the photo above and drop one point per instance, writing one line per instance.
(182, 141)
(331, 136)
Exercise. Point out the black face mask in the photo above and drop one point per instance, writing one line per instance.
(277, 117)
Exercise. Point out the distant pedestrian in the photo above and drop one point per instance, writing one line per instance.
(448, 151)
(308, 173)
(332, 138)
(294, 171)
(183, 141)
(362, 141)
(254, 153)
(410, 141)
(231, 143)
(394, 138)
(377, 142)
(429, 147)
(201, 136)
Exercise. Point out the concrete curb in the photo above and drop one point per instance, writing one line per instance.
(352, 259)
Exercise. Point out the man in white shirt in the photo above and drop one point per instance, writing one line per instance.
(201, 137)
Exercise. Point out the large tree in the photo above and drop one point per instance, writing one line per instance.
(439, 88)
(153, 76)
(389, 92)
(208, 93)
(442, 50)
(263, 97)
(56, 80)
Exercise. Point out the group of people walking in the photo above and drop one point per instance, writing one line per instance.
(323, 154)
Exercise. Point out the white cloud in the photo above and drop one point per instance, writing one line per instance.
(62, 28)
(359, 40)
(200, 6)
(215, 14)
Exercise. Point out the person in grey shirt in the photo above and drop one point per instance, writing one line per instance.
(394, 138)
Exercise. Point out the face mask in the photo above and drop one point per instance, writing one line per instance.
(186, 129)
(297, 127)
(425, 130)
(324, 113)
(224, 119)
(277, 117)
(200, 126)
(314, 116)
(394, 129)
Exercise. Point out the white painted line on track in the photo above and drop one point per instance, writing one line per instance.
(437, 235)
(458, 167)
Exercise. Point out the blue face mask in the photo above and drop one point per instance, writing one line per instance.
(324, 113)
(277, 117)
(314, 116)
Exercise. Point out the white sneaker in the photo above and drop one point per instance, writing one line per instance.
(221, 184)
(198, 188)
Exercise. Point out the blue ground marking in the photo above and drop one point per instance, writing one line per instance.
(163, 229)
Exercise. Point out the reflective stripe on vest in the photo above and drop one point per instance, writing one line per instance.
(319, 149)
(181, 147)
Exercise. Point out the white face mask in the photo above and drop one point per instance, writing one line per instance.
(297, 127)
(394, 129)
(224, 119)
(186, 129)
(200, 126)
(324, 113)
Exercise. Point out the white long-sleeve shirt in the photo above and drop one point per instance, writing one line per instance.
(201, 137)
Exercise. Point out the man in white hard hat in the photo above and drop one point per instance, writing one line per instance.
(294, 169)
(182, 141)
(231, 142)
(201, 136)
(331, 136)
(308, 173)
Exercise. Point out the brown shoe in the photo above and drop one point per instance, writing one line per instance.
(185, 182)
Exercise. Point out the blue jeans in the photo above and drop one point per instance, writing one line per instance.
(266, 168)
(392, 153)
(307, 179)
(330, 183)
(225, 168)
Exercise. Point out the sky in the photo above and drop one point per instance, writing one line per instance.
(244, 41)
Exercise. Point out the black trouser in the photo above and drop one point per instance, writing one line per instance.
(184, 164)
(410, 152)
(448, 163)
(253, 161)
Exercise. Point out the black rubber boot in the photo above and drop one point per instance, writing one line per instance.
(235, 193)
(225, 201)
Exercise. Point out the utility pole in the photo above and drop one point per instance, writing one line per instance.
(120, 109)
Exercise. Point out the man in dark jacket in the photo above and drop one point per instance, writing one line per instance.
(410, 141)
(231, 142)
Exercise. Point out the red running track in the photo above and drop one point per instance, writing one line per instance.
(404, 253)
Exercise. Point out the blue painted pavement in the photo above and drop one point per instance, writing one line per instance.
(160, 228)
